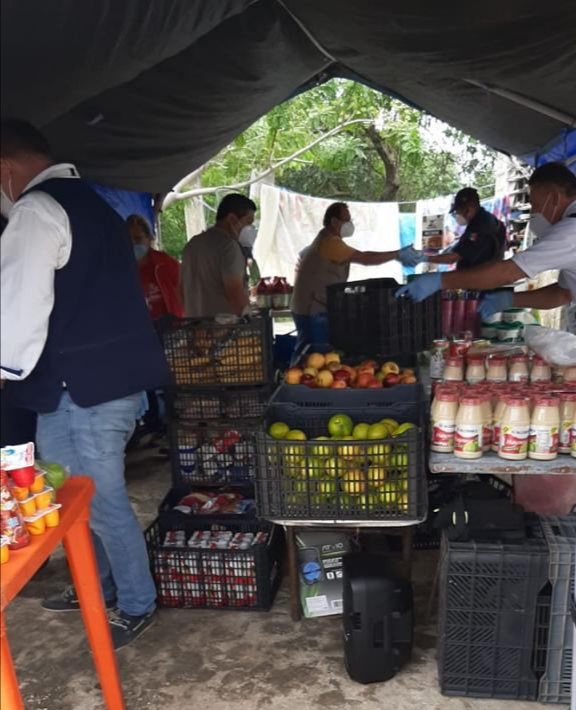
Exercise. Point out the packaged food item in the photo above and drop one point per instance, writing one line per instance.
(567, 412)
(519, 371)
(488, 330)
(475, 369)
(497, 423)
(541, 370)
(468, 438)
(38, 483)
(509, 332)
(4, 551)
(454, 369)
(496, 369)
(573, 438)
(514, 315)
(45, 498)
(544, 429)
(12, 525)
(437, 355)
(36, 525)
(20, 493)
(28, 506)
(570, 373)
(515, 429)
(13, 458)
(443, 415)
(52, 516)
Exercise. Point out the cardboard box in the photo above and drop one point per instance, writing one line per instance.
(320, 571)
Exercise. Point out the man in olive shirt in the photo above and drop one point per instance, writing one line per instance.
(213, 273)
(325, 262)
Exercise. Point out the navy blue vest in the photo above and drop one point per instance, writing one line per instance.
(101, 341)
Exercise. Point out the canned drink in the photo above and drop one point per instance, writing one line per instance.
(437, 355)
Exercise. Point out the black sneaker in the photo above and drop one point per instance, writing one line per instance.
(68, 601)
(126, 628)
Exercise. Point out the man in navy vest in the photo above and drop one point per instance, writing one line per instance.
(78, 347)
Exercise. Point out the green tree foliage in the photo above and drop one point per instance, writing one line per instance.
(399, 153)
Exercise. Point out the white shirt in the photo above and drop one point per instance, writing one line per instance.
(556, 250)
(36, 242)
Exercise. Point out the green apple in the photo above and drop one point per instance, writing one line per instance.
(326, 487)
(378, 454)
(392, 424)
(314, 467)
(296, 435)
(388, 494)
(378, 431)
(322, 450)
(402, 429)
(398, 460)
(340, 425)
(360, 431)
(376, 476)
(332, 467)
(278, 430)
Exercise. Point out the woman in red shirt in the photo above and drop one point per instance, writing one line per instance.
(159, 272)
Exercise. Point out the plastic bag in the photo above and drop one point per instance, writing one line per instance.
(557, 347)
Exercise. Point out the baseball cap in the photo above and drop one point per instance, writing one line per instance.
(464, 197)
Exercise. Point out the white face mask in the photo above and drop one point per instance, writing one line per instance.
(461, 220)
(247, 236)
(539, 225)
(347, 229)
(5, 204)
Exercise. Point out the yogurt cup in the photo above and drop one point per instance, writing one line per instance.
(514, 315)
(4, 551)
(28, 506)
(38, 484)
(20, 492)
(45, 498)
(52, 516)
(488, 330)
(36, 525)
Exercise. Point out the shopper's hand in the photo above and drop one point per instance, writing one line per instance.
(421, 287)
(492, 302)
(410, 256)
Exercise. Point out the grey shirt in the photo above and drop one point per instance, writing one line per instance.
(206, 259)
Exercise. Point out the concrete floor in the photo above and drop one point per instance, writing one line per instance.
(216, 660)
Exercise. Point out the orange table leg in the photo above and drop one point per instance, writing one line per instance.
(82, 561)
(10, 698)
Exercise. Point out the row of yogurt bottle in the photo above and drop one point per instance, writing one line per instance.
(516, 421)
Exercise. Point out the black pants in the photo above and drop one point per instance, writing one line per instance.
(17, 426)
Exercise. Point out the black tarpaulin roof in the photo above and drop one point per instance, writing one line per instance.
(140, 93)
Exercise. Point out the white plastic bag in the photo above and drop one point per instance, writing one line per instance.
(557, 347)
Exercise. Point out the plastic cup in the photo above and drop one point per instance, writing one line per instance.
(38, 484)
(36, 527)
(20, 492)
(23, 476)
(28, 506)
(52, 518)
(44, 499)
(4, 553)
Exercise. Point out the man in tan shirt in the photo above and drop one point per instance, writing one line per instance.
(213, 274)
(325, 262)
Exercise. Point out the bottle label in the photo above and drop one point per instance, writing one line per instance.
(437, 365)
(518, 377)
(496, 436)
(443, 436)
(486, 436)
(564, 437)
(468, 438)
(543, 439)
(514, 440)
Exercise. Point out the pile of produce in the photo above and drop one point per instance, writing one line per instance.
(328, 371)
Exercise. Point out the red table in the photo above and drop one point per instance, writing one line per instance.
(74, 531)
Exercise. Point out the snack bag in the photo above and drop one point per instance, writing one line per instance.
(12, 524)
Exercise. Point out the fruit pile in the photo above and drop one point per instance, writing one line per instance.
(358, 465)
(327, 371)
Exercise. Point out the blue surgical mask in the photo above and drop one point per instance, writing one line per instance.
(140, 251)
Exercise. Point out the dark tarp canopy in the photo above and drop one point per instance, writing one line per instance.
(140, 93)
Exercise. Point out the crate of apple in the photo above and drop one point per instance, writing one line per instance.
(327, 371)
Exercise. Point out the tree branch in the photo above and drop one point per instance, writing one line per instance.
(176, 196)
(388, 157)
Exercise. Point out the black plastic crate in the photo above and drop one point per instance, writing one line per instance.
(488, 631)
(166, 510)
(188, 577)
(317, 397)
(205, 353)
(357, 480)
(365, 316)
(213, 452)
(217, 403)
(560, 534)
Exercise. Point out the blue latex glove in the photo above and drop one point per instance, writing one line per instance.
(422, 287)
(492, 302)
(410, 256)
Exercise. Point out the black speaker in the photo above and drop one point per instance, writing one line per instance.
(378, 619)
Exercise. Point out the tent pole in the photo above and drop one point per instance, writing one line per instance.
(526, 102)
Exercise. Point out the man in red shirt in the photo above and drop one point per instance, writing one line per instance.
(159, 272)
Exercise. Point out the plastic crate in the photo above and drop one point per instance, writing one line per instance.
(304, 396)
(342, 480)
(560, 534)
(365, 316)
(166, 510)
(215, 579)
(489, 594)
(217, 403)
(213, 452)
(205, 353)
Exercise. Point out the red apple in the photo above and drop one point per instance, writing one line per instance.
(369, 364)
(391, 379)
(363, 379)
(374, 383)
(342, 374)
(339, 385)
(308, 380)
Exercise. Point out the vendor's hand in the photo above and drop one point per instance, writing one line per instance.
(421, 287)
(492, 302)
(410, 256)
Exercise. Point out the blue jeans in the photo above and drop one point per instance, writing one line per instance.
(91, 441)
(312, 330)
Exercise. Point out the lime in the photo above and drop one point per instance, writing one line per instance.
(278, 430)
